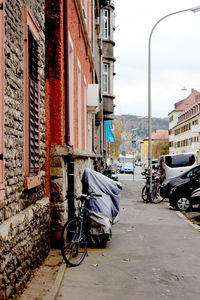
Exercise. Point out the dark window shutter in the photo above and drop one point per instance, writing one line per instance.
(33, 105)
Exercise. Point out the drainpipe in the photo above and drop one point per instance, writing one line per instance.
(100, 70)
(70, 160)
(67, 112)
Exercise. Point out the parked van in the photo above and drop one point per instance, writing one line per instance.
(173, 165)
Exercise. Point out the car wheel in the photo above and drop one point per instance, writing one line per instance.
(183, 204)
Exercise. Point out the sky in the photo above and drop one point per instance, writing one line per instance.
(175, 51)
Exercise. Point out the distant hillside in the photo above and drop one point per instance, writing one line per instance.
(132, 121)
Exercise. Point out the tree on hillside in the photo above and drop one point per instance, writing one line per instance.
(164, 148)
(117, 131)
(160, 147)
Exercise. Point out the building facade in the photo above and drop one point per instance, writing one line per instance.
(159, 138)
(51, 122)
(24, 205)
(74, 85)
(184, 123)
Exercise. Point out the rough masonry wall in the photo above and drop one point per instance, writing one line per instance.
(17, 198)
(24, 243)
(24, 214)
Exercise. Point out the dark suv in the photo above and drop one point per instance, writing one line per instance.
(185, 178)
(179, 189)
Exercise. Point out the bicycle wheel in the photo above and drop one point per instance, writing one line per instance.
(157, 197)
(146, 194)
(73, 242)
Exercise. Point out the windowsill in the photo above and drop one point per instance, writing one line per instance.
(31, 182)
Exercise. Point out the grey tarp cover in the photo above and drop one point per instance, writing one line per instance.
(108, 204)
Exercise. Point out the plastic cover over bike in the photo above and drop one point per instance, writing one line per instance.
(107, 205)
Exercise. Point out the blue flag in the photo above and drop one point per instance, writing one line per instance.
(109, 133)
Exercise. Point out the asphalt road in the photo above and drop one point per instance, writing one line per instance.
(153, 255)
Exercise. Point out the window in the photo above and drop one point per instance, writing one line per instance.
(33, 53)
(32, 102)
(106, 23)
(105, 78)
(85, 112)
(90, 132)
(2, 188)
(180, 160)
(79, 108)
(85, 10)
(90, 19)
(71, 89)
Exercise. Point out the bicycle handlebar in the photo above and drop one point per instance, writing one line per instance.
(85, 196)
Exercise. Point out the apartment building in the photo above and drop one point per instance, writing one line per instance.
(75, 85)
(184, 125)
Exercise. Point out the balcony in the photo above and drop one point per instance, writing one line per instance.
(108, 106)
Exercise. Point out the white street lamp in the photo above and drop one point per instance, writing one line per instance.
(193, 9)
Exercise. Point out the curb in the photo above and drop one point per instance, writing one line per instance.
(53, 293)
(197, 227)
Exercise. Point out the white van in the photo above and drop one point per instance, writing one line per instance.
(173, 165)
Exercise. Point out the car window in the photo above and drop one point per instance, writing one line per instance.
(180, 160)
(193, 172)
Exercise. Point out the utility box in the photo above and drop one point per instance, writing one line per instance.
(93, 98)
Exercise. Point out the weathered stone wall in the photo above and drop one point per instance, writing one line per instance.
(58, 188)
(23, 246)
(80, 164)
(24, 214)
(17, 198)
(60, 158)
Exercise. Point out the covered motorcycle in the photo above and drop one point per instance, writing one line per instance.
(103, 210)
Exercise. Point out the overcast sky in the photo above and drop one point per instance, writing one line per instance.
(175, 55)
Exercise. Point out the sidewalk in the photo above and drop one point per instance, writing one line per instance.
(46, 280)
(152, 255)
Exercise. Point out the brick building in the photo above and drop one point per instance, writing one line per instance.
(75, 95)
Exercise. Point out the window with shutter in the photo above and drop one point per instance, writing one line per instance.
(33, 105)
(32, 102)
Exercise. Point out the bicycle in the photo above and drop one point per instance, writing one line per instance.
(154, 196)
(75, 234)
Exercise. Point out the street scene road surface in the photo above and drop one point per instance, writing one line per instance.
(153, 255)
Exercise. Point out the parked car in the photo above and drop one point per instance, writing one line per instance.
(169, 184)
(180, 194)
(173, 165)
(127, 168)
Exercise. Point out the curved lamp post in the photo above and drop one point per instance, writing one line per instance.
(193, 9)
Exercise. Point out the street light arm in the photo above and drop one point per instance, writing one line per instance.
(171, 14)
(193, 9)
